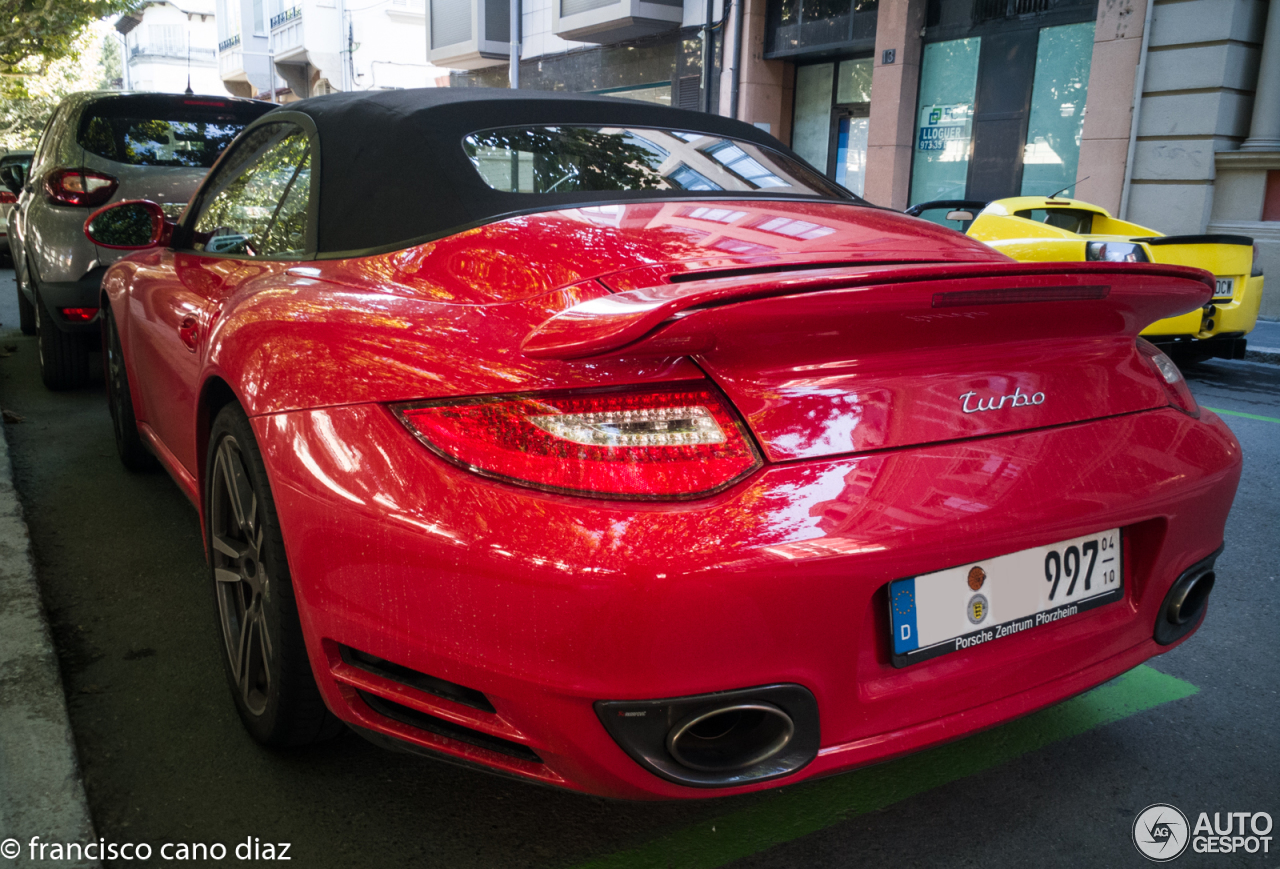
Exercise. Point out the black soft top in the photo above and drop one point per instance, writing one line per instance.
(393, 170)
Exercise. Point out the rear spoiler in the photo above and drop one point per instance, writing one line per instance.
(609, 323)
(1197, 239)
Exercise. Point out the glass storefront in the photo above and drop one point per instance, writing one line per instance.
(832, 108)
(1052, 151)
(944, 123)
(1002, 94)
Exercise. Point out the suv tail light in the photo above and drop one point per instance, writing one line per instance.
(1175, 386)
(677, 442)
(81, 187)
(7, 198)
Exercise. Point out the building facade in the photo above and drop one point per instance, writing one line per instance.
(286, 50)
(169, 46)
(1167, 112)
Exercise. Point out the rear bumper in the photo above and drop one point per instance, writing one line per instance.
(84, 293)
(548, 604)
(1233, 318)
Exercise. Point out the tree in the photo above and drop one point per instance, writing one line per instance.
(27, 100)
(47, 30)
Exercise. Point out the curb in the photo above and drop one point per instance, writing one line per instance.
(41, 789)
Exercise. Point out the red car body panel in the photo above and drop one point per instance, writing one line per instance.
(546, 606)
(852, 381)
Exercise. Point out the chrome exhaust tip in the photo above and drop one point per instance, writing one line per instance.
(1185, 604)
(723, 739)
(1187, 599)
(730, 738)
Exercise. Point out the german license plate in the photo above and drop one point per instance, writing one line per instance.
(977, 603)
(1224, 288)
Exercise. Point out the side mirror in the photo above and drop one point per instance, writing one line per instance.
(13, 177)
(132, 225)
(959, 215)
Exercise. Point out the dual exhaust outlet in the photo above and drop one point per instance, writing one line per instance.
(718, 740)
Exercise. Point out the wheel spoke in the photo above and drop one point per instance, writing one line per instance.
(244, 502)
(229, 547)
(224, 575)
(255, 673)
(265, 638)
(242, 652)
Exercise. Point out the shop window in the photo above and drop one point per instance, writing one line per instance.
(1052, 151)
(944, 128)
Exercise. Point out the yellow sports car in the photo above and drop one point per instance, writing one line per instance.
(1047, 229)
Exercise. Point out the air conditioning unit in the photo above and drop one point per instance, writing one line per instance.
(608, 21)
(468, 34)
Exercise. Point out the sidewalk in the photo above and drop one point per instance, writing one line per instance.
(41, 791)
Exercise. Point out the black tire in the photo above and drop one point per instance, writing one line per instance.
(64, 356)
(257, 613)
(26, 314)
(133, 453)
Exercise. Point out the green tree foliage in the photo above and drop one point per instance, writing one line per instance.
(111, 65)
(28, 99)
(47, 30)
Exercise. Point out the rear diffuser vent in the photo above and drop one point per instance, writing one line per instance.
(447, 729)
(413, 679)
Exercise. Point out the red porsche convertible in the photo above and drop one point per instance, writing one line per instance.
(612, 447)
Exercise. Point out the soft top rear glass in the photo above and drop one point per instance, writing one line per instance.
(620, 159)
(188, 131)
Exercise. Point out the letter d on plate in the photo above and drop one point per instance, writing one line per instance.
(902, 610)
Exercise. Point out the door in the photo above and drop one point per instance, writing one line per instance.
(832, 111)
(250, 222)
(849, 156)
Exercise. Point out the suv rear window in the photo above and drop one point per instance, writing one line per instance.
(572, 159)
(165, 131)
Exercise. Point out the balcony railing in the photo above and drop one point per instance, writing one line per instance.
(229, 43)
(285, 16)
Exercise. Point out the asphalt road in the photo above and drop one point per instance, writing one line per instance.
(165, 758)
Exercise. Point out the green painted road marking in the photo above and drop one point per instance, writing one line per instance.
(1238, 413)
(786, 815)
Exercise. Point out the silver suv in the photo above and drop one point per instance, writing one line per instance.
(100, 148)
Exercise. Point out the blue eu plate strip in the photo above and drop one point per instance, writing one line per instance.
(903, 609)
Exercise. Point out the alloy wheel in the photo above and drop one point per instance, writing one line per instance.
(243, 586)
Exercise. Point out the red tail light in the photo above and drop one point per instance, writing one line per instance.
(1175, 386)
(82, 187)
(7, 198)
(653, 444)
(79, 315)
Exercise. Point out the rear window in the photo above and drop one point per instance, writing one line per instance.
(574, 159)
(164, 132)
(23, 160)
(1071, 219)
